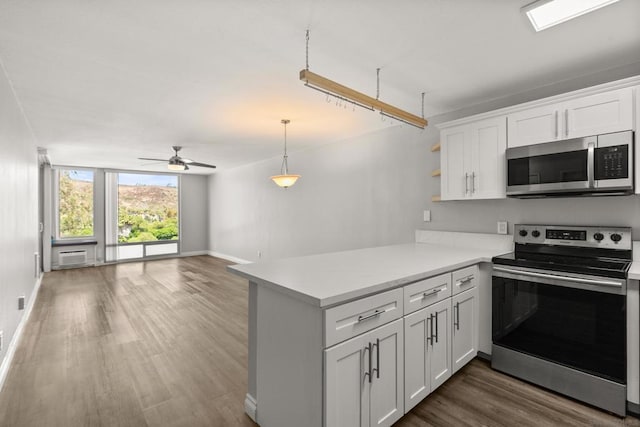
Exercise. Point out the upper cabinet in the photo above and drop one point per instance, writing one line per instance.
(472, 160)
(589, 115)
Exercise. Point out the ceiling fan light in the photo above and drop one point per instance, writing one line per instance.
(285, 181)
(176, 165)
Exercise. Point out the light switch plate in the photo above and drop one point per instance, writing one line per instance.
(502, 227)
(427, 216)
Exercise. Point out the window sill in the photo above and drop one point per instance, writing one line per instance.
(73, 242)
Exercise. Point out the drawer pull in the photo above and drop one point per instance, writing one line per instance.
(464, 280)
(374, 314)
(433, 292)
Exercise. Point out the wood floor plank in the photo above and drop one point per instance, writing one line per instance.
(164, 343)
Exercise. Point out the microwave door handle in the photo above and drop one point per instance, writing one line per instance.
(590, 164)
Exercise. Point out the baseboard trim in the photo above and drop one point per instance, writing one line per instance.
(229, 257)
(484, 356)
(193, 253)
(13, 345)
(251, 407)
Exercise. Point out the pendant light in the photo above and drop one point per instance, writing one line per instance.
(285, 180)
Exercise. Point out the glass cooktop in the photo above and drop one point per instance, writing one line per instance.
(597, 266)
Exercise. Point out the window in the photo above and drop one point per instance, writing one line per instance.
(141, 215)
(147, 207)
(75, 203)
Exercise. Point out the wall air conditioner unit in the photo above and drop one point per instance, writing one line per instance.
(72, 258)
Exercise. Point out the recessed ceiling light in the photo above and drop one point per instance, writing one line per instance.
(547, 13)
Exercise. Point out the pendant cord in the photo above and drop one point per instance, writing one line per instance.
(284, 169)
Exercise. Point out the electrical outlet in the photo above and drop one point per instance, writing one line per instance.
(427, 216)
(21, 302)
(502, 227)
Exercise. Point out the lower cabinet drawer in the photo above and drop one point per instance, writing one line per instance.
(426, 292)
(353, 318)
(464, 279)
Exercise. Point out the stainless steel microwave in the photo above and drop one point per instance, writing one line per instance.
(593, 165)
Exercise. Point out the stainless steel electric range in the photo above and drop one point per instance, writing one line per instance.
(559, 311)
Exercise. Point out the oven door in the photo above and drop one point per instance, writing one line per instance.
(574, 321)
(554, 167)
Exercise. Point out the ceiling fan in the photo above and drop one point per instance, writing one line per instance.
(177, 163)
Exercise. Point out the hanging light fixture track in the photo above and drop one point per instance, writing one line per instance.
(344, 93)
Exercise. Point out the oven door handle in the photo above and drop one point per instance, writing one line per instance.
(558, 277)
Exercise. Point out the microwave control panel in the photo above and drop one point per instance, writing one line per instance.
(612, 162)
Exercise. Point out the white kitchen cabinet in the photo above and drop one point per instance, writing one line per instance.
(600, 113)
(364, 379)
(455, 162)
(427, 335)
(464, 309)
(473, 160)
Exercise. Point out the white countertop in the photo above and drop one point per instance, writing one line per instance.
(337, 277)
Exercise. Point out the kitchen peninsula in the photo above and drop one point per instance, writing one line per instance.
(329, 333)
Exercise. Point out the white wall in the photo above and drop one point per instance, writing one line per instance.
(372, 190)
(194, 214)
(18, 211)
(367, 191)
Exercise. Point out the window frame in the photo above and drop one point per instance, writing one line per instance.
(178, 197)
(56, 192)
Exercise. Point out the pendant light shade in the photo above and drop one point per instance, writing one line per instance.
(285, 179)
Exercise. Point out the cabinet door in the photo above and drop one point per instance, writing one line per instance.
(439, 353)
(454, 163)
(417, 372)
(488, 146)
(346, 383)
(386, 404)
(465, 327)
(534, 126)
(602, 113)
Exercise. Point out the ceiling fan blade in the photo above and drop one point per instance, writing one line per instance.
(202, 165)
(185, 160)
(155, 160)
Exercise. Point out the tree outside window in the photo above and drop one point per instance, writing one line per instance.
(147, 207)
(75, 202)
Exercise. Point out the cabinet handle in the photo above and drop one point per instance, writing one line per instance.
(456, 314)
(430, 337)
(566, 123)
(377, 368)
(464, 280)
(433, 292)
(557, 121)
(473, 182)
(466, 184)
(436, 329)
(368, 348)
(374, 314)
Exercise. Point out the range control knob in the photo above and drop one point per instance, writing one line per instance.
(523, 233)
(535, 233)
(616, 237)
(598, 236)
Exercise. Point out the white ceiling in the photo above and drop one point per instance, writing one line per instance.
(105, 82)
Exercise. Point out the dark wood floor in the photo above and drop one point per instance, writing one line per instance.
(164, 343)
